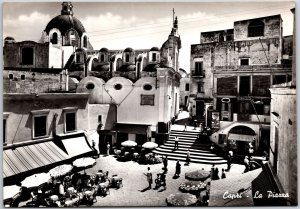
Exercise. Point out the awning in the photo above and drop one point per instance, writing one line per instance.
(131, 128)
(221, 189)
(241, 137)
(248, 185)
(29, 157)
(76, 146)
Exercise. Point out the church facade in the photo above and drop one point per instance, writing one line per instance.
(140, 85)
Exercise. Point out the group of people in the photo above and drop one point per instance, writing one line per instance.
(93, 145)
(214, 173)
(161, 177)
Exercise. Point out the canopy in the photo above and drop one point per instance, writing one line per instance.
(132, 128)
(247, 185)
(241, 137)
(28, 157)
(76, 146)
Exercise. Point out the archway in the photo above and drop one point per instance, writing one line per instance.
(239, 138)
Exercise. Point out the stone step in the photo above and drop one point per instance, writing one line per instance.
(187, 144)
(185, 132)
(183, 137)
(184, 150)
(193, 160)
(183, 154)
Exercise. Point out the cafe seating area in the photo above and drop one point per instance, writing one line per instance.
(72, 189)
(130, 151)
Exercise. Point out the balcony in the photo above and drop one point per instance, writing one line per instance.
(254, 68)
(196, 74)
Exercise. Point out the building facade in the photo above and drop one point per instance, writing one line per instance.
(138, 89)
(184, 90)
(231, 73)
(283, 140)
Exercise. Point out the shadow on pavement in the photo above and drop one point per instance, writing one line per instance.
(144, 190)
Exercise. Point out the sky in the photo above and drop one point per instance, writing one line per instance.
(141, 25)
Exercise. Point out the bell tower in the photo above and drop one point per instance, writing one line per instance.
(67, 8)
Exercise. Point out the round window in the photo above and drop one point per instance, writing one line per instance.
(90, 86)
(147, 87)
(118, 86)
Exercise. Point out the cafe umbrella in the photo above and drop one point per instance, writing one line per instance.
(128, 143)
(60, 170)
(84, 162)
(150, 145)
(36, 180)
(10, 191)
(181, 199)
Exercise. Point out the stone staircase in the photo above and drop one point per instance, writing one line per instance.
(199, 148)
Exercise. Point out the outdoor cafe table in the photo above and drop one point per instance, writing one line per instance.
(54, 198)
(70, 190)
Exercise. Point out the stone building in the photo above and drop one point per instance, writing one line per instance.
(231, 73)
(139, 88)
(184, 89)
(46, 129)
(283, 142)
(142, 84)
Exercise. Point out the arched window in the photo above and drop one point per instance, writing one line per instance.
(72, 38)
(127, 56)
(85, 42)
(119, 63)
(102, 58)
(54, 38)
(256, 28)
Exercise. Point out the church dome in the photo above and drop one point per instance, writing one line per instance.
(105, 50)
(65, 21)
(154, 49)
(9, 39)
(128, 49)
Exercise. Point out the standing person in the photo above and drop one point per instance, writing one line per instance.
(250, 150)
(212, 172)
(246, 163)
(149, 177)
(178, 169)
(184, 127)
(176, 142)
(201, 127)
(108, 148)
(212, 148)
(94, 146)
(163, 180)
(165, 162)
(223, 175)
(188, 155)
(217, 174)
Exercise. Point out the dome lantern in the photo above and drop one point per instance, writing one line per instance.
(67, 8)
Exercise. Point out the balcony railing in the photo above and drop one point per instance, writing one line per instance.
(198, 74)
(286, 66)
